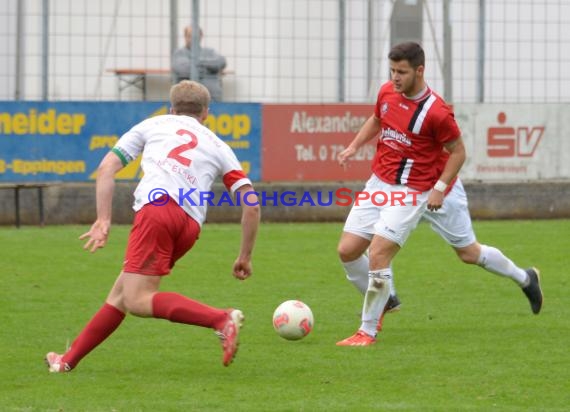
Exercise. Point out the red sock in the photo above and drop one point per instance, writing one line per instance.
(180, 309)
(105, 321)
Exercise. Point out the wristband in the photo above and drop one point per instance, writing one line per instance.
(440, 186)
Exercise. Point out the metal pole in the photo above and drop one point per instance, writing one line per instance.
(45, 49)
(341, 48)
(448, 58)
(481, 55)
(19, 92)
(173, 30)
(369, 49)
(195, 52)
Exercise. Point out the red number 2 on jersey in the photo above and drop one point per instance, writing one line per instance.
(176, 152)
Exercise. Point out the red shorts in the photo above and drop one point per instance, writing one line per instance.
(159, 237)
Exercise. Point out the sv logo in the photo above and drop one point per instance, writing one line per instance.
(510, 142)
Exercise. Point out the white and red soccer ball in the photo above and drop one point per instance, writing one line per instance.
(293, 320)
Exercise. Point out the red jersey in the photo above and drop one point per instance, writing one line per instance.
(412, 136)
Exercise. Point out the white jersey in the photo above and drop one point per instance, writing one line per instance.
(181, 158)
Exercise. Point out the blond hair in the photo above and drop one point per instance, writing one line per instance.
(189, 97)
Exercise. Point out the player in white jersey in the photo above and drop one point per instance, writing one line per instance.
(171, 153)
(180, 159)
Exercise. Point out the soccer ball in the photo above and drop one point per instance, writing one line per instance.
(293, 320)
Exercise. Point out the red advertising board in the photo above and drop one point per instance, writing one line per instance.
(302, 142)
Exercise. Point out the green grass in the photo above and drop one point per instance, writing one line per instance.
(465, 340)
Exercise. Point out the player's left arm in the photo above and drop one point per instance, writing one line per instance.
(105, 186)
(456, 150)
(457, 155)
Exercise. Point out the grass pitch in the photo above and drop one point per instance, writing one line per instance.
(465, 340)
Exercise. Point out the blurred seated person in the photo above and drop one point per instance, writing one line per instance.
(210, 65)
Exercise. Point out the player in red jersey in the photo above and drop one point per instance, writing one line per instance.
(453, 223)
(414, 125)
(180, 156)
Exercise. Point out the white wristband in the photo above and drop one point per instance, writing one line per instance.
(440, 186)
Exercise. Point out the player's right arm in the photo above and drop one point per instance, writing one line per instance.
(367, 132)
(250, 217)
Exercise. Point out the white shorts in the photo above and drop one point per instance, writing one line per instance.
(453, 222)
(391, 211)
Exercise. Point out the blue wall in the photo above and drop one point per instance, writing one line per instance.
(52, 141)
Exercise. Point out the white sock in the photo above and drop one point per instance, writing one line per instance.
(392, 286)
(357, 273)
(493, 260)
(375, 299)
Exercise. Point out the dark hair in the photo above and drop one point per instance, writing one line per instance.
(410, 51)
